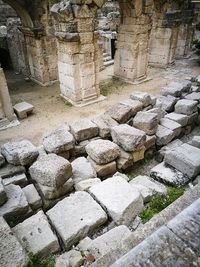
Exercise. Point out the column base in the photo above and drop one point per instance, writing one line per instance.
(5, 123)
(84, 103)
(135, 82)
(49, 83)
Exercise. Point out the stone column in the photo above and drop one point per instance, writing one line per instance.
(5, 97)
(78, 54)
(131, 57)
(42, 58)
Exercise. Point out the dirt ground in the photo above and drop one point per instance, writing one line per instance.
(51, 111)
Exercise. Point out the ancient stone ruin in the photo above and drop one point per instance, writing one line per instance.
(74, 200)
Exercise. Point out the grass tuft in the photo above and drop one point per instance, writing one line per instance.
(34, 261)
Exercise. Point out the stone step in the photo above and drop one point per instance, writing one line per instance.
(106, 58)
(108, 63)
(105, 54)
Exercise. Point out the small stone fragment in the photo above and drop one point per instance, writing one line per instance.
(142, 97)
(32, 196)
(86, 184)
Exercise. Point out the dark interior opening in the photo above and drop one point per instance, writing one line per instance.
(5, 60)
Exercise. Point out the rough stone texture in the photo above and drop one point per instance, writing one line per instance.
(184, 158)
(164, 135)
(32, 196)
(162, 248)
(51, 170)
(161, 153)
(138, 154)
(51, 193)
(120, 112)
(196, 141)
(179, 118)
(146, 122)
(3, 195)
(108, 241)
(122, 202)
(83, 129)
(125, 160)
(105, 170)
(104, 123)
(119, 174)
(58, 141)
(166, 103)
(86, 184)
(16, 206)
(102, 151)
(168, 175)
(185, 106)
(161, 113)
(76, 216)
(71, 258)
(36, 236)
(142, 97)
(150, 142)
(176, 88)
(135, 105)
(20, 153)
(22, 109)
(127, 137)
(2, 160)
(10, 170)
(147, 187)
(18, 179)
(172, 125)
(193, 96)
(11, 252)
(79, 150)
(82, 170)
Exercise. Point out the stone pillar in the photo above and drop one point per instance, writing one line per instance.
(5, 98)
(78, 54)
(42, 58)
(131, 57)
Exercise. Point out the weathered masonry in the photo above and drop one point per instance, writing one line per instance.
(62, 41)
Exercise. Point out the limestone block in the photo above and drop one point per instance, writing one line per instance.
(164, 135)
(193, 96)
(127, 137)
(166, 103)
(195, 88)
(3, 195)
(18, 179)
(11, 170)
(171, 125)
(125, 160)
(148, 187)
(51, 170)
(75, 216)
(179, 118)
(104, 123)
(11, 252)
(16, 206)
(102, 151)
(120, 112)
(142, 97)
(86, 184)
(135, 105)
(185, 106)
(23, 109)
(20, 153)
(36, 236)
(79, 149)
(82, 170)
(184, 158)
(161, 113)
(83, 129)
(51, 193)
(71, 258)
(198, 80)
(196, 141)
(169, 176)
(138, 154)
(122, 202)
(105, 170)
(32, 197)
(108, 241)
(147, 122)
(58, 141)
(150, 141)
(176, 88)
(193, 118)
(161, 153)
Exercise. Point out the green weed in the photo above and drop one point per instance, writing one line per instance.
(34, 261)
